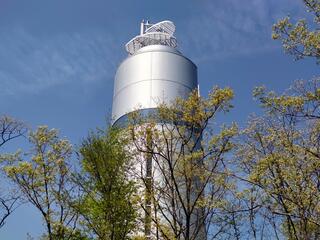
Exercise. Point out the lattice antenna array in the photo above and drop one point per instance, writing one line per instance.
(160, 33)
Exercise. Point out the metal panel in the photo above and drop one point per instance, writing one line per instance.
(132, 70)
(136, 96)
(153, 75)
(175, 68)
(166, 91)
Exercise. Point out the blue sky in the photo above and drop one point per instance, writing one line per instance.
(58, 59)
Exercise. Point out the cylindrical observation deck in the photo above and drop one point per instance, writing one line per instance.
(153, 73)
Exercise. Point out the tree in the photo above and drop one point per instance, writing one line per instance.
(180, 163)
(9, 130)
(280, 152)
(107, 205)
(298, 39)
(44, 180)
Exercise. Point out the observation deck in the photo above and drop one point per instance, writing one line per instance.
(153, 34)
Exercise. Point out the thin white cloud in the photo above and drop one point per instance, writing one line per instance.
(233, 27)
(32, 63)
(217, 29)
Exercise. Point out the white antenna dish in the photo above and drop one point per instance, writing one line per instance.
(153, 34)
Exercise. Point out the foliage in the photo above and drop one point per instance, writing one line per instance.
(107, 205)
(298, 39)
(44, 180)
(280, 152)
(9, 199)
(181, 164)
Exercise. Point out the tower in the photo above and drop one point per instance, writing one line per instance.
(154, 72)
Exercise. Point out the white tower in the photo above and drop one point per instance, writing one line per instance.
(154, 72)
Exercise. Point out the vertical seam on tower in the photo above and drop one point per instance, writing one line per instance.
(151, 80)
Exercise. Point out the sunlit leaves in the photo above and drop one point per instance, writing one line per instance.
(281, 153)
(190, 179)
(298, 39)
(45, 181)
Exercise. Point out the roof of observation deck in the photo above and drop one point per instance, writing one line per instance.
(160, 33)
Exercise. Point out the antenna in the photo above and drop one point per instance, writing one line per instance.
(160, 33)
(142, 27)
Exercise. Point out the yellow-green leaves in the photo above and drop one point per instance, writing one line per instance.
(297, 39)
(196, 110)
(281, 153)
(220, 98)
(189, 178)
(49, 155)
(44, 180)
(302, 99)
